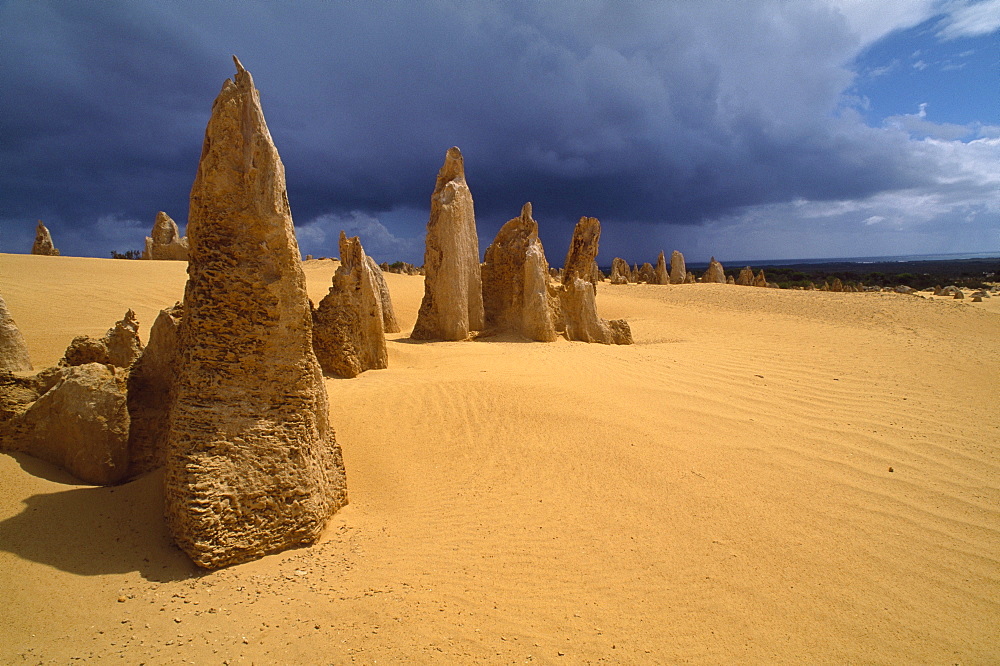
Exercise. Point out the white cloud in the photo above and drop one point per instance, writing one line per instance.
(967, 19)
(320, 236)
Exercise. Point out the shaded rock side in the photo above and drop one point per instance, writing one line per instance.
(760, 280)
(452, 306)
(166, 242)
(150, 393)
(620, 272)
(13, 349)
(252, 465)
(661, 274)
(348, 331)
(715, 273)
(43, 241)
(516, 281)
(73, 417)
(645, 274)
(581, 258)
(120, 346)
(678, 273)
(746, 277)
(579, 311)
(389, 322)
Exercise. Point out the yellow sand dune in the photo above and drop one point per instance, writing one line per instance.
(765, 476)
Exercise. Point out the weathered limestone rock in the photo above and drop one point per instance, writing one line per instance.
(578, 297)
(646, 274)
(689, 278)
(958, 295)
(760, 280)
(581, 258)
(902, 289)
(515, 281)
(452, 306)
(715, 273)
(678, 273)
(746, 277)
(150, 393)
(13, 349)
(73, 417)
(120, 346)
(252, 466)
(401, 267)
(348, 331)
(43, 241)
(166, 242)
(950, 290)
(620, 271)
(389, 322)
(977, 299)
(662, 275)
(837, 285)
(730, 279)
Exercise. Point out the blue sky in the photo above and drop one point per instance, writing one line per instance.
(760, 129)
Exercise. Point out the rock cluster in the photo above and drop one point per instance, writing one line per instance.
(746, 277)
(75, 415)
(166, 242)
(120, 346)
(678, 273)
(13, 349)
(715, 273)
(620, 272)
(43, 241)
(452, 306)
(402, 268)
(348, 325)
(515, 278)
(252, 465)
(578, 298)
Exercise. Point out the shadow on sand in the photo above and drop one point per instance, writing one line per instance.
(96, 531)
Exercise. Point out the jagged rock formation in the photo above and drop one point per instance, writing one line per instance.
(348, 329)
(715, 273)
(43, 241)
(73, 417)
(760, 280)
(581, 258)
(452, 306)
(646, 274)
(730, 279)
(389, 323)
(166, 242)
(662, 276)
(13, 349)
(678, 273)
(620, 272)
(578, 297)
(150, 393)
(689, 278)
(252, 466)
(837, 285)
(746, 277)
(515, 281)
(120, 346)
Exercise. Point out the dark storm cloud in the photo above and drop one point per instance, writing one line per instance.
(653, 113)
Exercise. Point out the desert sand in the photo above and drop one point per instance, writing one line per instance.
(766, 476)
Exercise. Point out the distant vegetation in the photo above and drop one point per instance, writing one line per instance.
(130, 254)
(971, 273)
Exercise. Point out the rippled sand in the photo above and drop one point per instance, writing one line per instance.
(765, 476)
